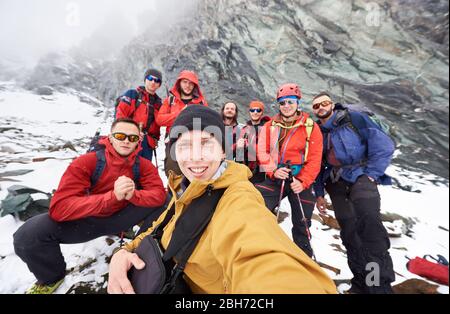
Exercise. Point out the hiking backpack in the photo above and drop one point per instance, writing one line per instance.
(358, 124)
(139, 101)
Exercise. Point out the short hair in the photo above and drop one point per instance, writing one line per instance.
(125, 120)
(323, 94)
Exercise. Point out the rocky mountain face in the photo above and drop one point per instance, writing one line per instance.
(390, 55)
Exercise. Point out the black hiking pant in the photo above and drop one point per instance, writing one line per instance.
(357, 209)
(271, 191)
(38, 241)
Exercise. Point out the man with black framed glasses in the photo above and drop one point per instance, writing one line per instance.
(143, 105)
(248, 141)
(101, 193)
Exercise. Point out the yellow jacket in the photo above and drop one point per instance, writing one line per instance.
(243, 250)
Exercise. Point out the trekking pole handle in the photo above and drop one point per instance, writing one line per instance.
(291, 175)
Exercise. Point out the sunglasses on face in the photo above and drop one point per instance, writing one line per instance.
(323, 104)
(154, 79)
(122, 137)
(256, 110)
(288, 102)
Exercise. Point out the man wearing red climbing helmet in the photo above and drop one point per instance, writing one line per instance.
(290, 153)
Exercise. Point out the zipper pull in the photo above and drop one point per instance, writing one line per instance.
(209, 189)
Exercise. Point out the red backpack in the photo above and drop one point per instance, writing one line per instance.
(437, 272)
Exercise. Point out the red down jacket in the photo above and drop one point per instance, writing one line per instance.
(72, 200)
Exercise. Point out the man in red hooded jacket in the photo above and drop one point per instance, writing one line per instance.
(290, 153)
(82, 210)
(186, 92)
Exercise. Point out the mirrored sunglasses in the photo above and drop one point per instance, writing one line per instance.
(154, 79)
(122, 137)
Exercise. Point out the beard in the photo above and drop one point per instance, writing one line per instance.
(326, 114)
(183, 93)
(230, 116)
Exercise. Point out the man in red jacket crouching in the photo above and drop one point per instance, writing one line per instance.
(101, 193)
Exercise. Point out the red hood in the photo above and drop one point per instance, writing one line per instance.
(191, 76)
(112, 155)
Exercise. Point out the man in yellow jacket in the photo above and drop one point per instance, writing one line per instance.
(243, 250)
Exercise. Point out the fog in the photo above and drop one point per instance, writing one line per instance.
(29, 28)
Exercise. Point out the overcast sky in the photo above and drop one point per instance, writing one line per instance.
(31, 28)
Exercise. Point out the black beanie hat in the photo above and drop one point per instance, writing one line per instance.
(153, 72)
(200, 118)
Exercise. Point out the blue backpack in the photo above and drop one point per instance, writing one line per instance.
(358, 124)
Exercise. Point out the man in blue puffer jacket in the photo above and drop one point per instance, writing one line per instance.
(357, 153)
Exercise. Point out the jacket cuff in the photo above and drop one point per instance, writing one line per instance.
(302, 180)
(134, 200)
(372, 175)
(110, 199)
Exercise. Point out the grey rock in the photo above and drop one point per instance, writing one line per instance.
(44, 91)
(15, 173)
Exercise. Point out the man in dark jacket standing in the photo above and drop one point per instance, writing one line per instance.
(143, 105)
(82, 209)
(356, 155)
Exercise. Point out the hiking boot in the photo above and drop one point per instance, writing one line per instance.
(44, 289)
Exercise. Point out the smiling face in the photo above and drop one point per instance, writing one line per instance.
(152, 86)
(256, 114)
(323, 107)
(124, 148)
(229, 111)
(289, 107)
(199, 155)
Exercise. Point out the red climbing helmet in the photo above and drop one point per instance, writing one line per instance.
(289, 90)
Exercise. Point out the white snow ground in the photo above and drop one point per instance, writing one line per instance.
(58, 119)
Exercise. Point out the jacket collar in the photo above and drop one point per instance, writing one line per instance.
(228, 173)
(114, 157)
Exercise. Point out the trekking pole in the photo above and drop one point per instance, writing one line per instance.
(156, 158)
(277, 210)
(305, 220)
